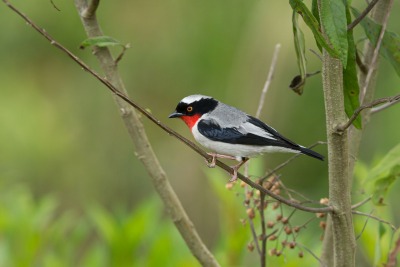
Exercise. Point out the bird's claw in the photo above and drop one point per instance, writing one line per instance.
(234, 175)
(211, 164)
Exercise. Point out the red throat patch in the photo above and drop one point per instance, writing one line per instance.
(191, 120)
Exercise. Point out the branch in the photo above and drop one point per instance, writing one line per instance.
(283, 164)
(359, 204)
(362, 15)
(373, 63)
(375, 218)
(153, 119)
(392, 259)
(269, 79)
(312, 254)
(90, 10)
(391, 100)
(384, 106)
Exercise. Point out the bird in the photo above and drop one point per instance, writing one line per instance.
(231, 133)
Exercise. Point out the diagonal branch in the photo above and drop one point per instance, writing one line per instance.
(388, 100)
(362, 15)
(375, 54)
(375, 218)
(269, 79)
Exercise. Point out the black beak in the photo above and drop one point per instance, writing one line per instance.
(175, 115)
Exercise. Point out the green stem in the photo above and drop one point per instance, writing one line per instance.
(338, 160)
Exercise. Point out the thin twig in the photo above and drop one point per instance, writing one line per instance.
(252, 227)
(124, 48)
(160, 124)
(359, 204)
(390, 99)
(375, 218)
(54, 5)
(271, 234)
(316, 54)
(364, 226)
(269, 79)
(384, 106)
(283, 164)
(312, 254)
(374, 61)
(361, 64)
(263, 255)
(362, 15)
(254, 234)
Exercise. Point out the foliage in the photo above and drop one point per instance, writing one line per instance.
(390, 42)
(37, 232)
(383, 175)
(334, 16)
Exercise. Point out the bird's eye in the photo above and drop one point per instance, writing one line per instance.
(189, 109)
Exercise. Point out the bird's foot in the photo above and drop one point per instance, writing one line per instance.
(236, 168)
(211, 164)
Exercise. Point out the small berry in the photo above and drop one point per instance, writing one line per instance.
(288, 230)
(250, 212)
(270, 224)
(301, 254)
(250, 247)
(275, 205)
(279, 217)
(285, 220)
(322, 224)
(296, 229)
(229, 186)
(320, 215)
(292, 245)
(272, 252)
(276, 191)
(278, 253)
(324, 201)
(272, 238)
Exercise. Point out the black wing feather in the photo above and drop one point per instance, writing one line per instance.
(272, 131)
(288, 143)
(212, 130)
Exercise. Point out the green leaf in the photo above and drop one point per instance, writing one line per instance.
(299, 7)
(315, 12)
(350, 81)
(378, 247)
(100, 41)
(384, 174)
(333, 18)
(299, 45)
(390, 48)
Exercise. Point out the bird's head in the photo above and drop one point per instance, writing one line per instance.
(192, 107)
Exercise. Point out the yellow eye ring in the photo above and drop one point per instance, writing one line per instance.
(189, 109)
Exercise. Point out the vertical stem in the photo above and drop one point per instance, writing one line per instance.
(263, 254)
(338, 160)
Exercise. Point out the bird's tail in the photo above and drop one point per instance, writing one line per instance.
(311, 153)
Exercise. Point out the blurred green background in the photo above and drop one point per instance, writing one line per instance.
(66, 161)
